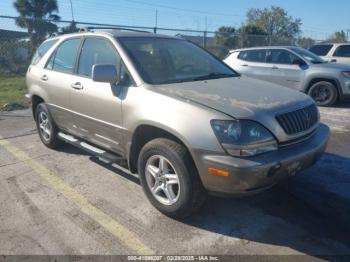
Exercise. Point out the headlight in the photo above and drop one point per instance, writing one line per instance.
(243, 137)
(346, 73)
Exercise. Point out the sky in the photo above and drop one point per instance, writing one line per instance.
(320, 18)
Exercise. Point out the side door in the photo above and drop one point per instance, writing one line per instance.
(284, 70)
(252, 63)
(342, 55)
(97, 106)
(57, 76)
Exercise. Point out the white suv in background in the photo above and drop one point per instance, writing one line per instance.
(334, 53)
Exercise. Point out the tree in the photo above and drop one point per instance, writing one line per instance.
(338, 37)
(305, 42)
(275, 22)
(71, 28)
(252, 35)
(38, 16)
(225, 36)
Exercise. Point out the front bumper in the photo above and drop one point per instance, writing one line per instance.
(254, 174)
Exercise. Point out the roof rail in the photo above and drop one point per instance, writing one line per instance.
(90, 28)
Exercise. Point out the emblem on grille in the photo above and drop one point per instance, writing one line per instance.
(307, 117)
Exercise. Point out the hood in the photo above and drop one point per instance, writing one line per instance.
(239, 97)
(333, 66)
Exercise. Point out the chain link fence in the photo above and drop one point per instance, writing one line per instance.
(17, 44)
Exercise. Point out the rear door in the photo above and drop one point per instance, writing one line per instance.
(56, 77)
(252, 63)
(342, 54)
(283, 70)
(97, 106)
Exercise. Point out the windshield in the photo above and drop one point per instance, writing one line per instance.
(163, 60)
(307, 55)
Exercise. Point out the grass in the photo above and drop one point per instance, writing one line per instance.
(12, 89)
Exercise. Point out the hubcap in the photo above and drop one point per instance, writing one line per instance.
(321, 94)
(162, 180)
(44, 126)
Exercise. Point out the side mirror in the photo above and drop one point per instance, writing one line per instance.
(104, 73)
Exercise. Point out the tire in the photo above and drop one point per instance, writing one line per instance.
(323, 93)
(189, 192)
(46, 127)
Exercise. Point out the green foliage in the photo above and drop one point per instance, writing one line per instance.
(305, 42)
(38, 16)
(275, 21)
(253, 35)
(12, 89)
(338, 37)
(252, 30)
(225, 36)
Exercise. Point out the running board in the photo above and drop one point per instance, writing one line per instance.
(98, 152)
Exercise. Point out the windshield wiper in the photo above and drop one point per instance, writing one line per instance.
(212, 76)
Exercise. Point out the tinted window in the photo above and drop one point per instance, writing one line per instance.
(309, 56)
(96, 51)
(164, 60)
(321, 50)
(253, 56)
(342, 51)
(64, 58)
(282, 57)
(42, 50)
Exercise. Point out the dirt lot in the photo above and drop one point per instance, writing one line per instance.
(67, 202)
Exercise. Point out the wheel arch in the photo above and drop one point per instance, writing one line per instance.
(315, 80)
(36, 100)
(145, 133)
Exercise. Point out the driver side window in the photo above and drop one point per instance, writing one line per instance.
(96, 51)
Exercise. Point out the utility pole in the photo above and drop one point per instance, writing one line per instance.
(71, 9)
(205, 32)
(156, 22)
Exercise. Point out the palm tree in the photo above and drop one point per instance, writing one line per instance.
(38, 16)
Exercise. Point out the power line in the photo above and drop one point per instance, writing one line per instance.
(181, 9)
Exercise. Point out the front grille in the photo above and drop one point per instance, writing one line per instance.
(298, 121)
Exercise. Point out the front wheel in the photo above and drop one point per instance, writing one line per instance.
(323, 93)
(169, 178)
(46, 127)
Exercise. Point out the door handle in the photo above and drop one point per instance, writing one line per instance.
(333, 60)
(44, 78)
(244, 65)
(77, 86)
(274, 67)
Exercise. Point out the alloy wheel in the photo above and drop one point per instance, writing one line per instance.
(162, 179)
(44, 126)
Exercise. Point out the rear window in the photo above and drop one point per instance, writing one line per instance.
(253, 56)
(342, 51)
(42, 50)
(321, 50)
